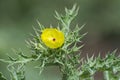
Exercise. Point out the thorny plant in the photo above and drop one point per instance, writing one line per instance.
(58, 47)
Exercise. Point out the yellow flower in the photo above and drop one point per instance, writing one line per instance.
(52, 38)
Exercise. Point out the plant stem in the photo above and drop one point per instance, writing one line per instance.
(91, 78)
(106, 75)
(64, 77)
(72, 77)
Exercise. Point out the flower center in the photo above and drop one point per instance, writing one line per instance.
(54, 39)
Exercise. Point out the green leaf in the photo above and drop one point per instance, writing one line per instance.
(2, 77)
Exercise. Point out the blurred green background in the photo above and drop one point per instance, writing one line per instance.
(102, 18)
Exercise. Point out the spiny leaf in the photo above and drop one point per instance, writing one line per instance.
(2, 77)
